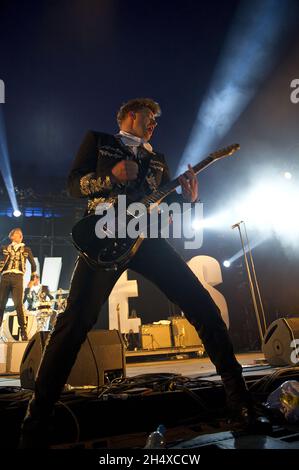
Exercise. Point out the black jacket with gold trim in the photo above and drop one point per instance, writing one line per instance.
(90, 175)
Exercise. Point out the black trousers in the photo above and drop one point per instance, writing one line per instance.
(12, 283)
(161, 264)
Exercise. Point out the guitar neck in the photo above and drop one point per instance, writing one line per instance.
(172, 185)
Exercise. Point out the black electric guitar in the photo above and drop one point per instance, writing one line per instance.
(115, 252)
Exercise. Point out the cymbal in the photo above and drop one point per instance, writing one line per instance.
(60, 291)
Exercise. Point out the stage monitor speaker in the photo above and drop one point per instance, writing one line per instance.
(277, 341)
(101, 356)
(11, 354)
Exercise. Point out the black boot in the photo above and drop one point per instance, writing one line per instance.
(249, 419)
(237, 393)
(35, 428)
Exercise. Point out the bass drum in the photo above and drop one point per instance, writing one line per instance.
(10, 326)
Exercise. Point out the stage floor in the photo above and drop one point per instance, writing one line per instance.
(194, 419)
(193, 367)
(202, 367)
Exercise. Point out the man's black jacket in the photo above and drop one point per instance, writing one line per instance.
(90, 174)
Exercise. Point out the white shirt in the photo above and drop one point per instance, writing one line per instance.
(35, 288)
(16, 246)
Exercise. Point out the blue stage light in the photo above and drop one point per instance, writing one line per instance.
(248, 56)
(5, 164)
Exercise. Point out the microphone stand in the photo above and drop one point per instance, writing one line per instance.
(256, 283)
(252, 281)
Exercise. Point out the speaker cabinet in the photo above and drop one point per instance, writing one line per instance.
(184, 334)
(101, 356)
(277, 341)
(155, 336)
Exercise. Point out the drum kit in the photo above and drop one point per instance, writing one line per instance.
(42, 318)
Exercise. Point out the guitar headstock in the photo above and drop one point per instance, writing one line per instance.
(225, 152)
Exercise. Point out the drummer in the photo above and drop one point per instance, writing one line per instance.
(36, 295)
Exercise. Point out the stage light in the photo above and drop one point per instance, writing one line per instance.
(5, 164)
(226, 264)
(17, 213)
(253, 244)
(208, 222)
(212, 223)
(247, 57)
(269, 209)
(288, 175)
(197, 224)
(271, 206)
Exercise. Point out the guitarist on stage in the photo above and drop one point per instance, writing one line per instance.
(106, 165)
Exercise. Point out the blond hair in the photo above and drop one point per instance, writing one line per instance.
(17, 229)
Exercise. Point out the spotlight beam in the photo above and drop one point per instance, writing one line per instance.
(240, 253)
(5, 165)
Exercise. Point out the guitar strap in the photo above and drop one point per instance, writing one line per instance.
(143, 158)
